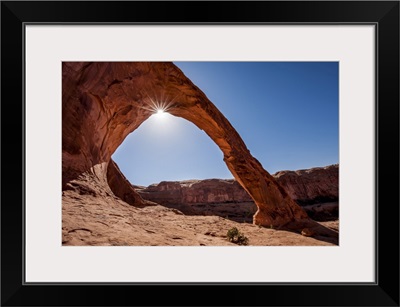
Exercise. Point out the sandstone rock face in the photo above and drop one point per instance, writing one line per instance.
(195, 192)
(315, 185)
(218, 197)
(122, 188)
(102, 102)
(309, 186)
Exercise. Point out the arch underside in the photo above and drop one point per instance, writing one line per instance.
(103, 102)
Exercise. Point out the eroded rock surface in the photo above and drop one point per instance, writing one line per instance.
(310, 186)
(122, 188)
(316, 189)
(109, 221)
(195, 192)
(102, 102)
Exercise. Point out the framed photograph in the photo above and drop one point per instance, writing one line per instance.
(244, 153)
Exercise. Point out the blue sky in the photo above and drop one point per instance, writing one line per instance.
(286, 113)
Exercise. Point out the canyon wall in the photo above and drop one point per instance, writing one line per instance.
(306, 187)
(310, 186)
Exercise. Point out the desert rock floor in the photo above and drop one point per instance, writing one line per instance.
(108, 221)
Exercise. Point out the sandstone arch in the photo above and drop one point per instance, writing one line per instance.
(103, 102)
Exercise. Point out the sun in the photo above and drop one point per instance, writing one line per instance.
(158, 108)
(160, 113)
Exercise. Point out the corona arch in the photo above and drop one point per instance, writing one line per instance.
(102, 102)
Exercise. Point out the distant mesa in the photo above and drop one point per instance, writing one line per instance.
(310, 186)
(315, 189)
(306, 187)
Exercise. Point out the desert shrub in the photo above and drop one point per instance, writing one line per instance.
(232, 233)
(235, 236)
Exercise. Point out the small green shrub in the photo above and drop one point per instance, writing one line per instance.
(232, 233)
(235, 236)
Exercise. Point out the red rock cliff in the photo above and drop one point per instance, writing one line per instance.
(195, 192)
(315, 185)
(308, 186)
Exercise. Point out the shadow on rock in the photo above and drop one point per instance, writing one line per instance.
(311, 228)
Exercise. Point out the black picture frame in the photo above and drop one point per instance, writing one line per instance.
(383, 14)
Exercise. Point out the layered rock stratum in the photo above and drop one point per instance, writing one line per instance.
(315, 189)
(310, 186)
(195, 192)
(306, 187)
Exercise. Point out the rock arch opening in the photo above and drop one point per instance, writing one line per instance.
(175, 164)
(102, 102)
(169, 148)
